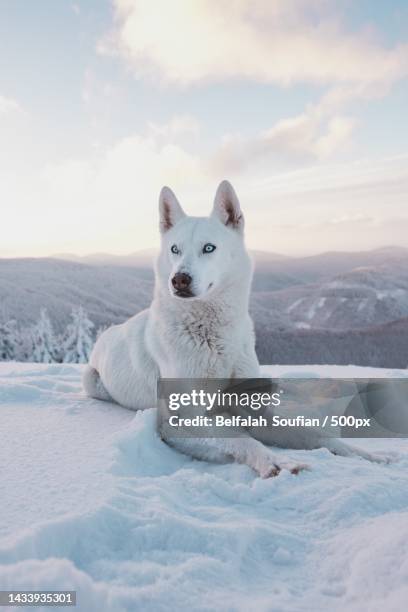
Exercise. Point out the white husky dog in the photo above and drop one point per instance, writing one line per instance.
(198, 326)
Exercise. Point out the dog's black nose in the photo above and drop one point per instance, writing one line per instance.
(181, 281)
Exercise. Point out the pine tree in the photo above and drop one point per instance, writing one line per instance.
(43, 340)
(9, 341)
(79, 340)
(24, 344)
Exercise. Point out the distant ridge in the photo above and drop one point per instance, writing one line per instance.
(334, 261)
(138, 258)
(146, 257)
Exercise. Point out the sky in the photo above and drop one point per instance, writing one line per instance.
(301, 104)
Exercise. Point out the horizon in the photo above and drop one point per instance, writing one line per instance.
(154, 250)
(301, 106)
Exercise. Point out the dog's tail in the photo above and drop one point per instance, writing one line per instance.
(93, 386)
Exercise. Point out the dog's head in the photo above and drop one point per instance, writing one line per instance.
(200, 255)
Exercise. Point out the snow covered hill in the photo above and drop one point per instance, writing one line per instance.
(353, 300)
(329, 291)
(93, 500)
(110, 294)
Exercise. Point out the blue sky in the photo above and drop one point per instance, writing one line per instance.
(302, 105)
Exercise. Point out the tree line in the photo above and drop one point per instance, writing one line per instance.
(384, 346)
(41, 344)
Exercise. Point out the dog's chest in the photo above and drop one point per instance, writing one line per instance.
(200, 348)
(204, 335)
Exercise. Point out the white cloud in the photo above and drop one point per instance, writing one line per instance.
(348, 206)
(183, 125)
(187, 42)
(108, 202)
(316, 134)
(8, 105)
(276, 41)
(281, 41)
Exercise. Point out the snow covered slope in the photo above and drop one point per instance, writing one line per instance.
(93, 500)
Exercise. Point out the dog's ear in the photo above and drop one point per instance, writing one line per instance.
(227, 208)
(169, 209)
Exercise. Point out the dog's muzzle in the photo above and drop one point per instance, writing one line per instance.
(182, 285)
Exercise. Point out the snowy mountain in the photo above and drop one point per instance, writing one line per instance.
(326, 265)
(362, 297)
(97, 503)
(110, 294)
(306, 310)
(139, 259)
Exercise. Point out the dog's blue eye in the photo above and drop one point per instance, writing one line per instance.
(209, 248)
(174, 249)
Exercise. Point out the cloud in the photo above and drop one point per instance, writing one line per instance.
(316, 134)
(8, 105)
(271, 41)
(297, 139)
(108, 201)
(119, 186)
(338, 206)
(183, 128)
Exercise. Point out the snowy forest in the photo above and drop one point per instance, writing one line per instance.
(39, 343)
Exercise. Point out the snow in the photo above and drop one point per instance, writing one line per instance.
(302, 325)
(314, 307)
(294, 305)
(392, 293)
(93, 500)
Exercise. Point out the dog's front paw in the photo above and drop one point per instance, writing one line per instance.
(269, 470)
(293, 467)
(299, 467)
(273, 468)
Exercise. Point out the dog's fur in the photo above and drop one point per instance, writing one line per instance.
(198, 326)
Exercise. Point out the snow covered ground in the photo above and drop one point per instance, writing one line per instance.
(93, 500)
